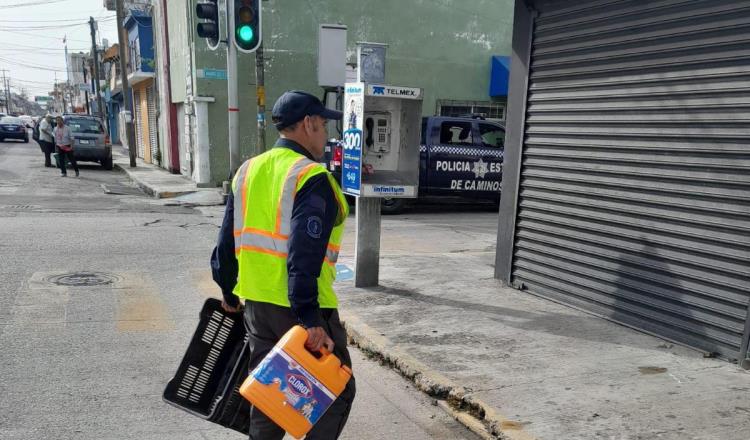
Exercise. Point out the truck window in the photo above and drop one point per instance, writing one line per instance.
(456, 133)
(492, 135)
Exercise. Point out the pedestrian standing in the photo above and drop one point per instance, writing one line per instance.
(278, 247)
(46, 139)
(64, 143)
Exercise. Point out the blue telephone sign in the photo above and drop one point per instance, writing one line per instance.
(351, 178)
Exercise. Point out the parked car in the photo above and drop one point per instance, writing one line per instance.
(13, 128)
(460, 160)
(28, 120)
(91, 143)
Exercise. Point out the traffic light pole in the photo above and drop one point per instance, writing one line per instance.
(233, 99)
(260, 90)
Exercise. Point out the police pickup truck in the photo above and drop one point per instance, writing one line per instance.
(461, 159)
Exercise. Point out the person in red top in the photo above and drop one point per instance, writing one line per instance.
(64, 144)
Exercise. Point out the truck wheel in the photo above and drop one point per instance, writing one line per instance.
(107, 163)
(392, 206)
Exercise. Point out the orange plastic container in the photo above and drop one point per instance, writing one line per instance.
(294, 388)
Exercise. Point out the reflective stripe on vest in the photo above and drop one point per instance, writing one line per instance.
(240, 203)
(274, 243)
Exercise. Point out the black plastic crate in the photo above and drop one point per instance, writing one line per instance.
(215, 365)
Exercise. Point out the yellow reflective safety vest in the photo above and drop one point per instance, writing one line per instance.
(264, 190)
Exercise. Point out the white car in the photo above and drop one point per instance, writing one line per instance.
(27, 120)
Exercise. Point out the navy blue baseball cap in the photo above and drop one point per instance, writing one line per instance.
(294, 105)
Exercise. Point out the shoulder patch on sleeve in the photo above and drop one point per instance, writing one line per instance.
(314, 226)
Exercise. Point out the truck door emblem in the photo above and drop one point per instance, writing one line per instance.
(480, 169)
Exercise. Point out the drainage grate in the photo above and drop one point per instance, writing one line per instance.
(84, 279)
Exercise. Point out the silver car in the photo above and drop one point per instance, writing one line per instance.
(91, 142)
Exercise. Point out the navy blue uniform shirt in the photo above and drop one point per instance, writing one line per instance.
(313, 217)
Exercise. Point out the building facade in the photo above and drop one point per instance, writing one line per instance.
(141, 79)
(626, 181)
(445, 47)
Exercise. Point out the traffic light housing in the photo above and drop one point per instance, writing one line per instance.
(247, 24)
(209, 28)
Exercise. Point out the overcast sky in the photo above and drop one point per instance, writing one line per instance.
(31, 38)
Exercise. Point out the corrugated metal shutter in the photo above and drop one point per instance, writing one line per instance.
(152, 124)
(634, 199)
(138, 123)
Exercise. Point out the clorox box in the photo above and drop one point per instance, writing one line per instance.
(294, 388)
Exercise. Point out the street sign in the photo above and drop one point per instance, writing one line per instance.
(212, 73)
(42, 98)
(354, 101)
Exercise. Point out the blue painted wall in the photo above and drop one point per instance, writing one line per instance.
(139, 25)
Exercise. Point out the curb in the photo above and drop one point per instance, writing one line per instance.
(473, 413)
(148, 189)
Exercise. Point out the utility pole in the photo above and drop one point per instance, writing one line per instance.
(260, 91)
(86, 92)
(67, 79)
(8, 96)
(95, 54)
(233, 100)
(129, 130)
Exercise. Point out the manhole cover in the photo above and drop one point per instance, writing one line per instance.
(84, 279)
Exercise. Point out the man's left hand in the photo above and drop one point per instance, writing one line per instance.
(231, 309)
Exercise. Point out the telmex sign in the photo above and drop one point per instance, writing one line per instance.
(394, 92)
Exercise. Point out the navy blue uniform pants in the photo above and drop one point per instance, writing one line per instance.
(267, 323)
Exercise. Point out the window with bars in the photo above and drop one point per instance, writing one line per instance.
(486, 109)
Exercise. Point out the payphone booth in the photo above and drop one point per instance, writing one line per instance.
(382, 126)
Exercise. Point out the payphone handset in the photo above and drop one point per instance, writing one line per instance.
(378, 132)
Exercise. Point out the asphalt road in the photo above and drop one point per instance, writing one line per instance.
(91, 362)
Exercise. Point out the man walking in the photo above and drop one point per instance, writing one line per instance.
(64, 144)
(46, 139)
(278, 247)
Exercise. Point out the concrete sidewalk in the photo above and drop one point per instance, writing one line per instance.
(162, 184)
(525, 367)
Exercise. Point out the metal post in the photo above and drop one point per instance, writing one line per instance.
(7, 92)
(174, 148)
(367, 246)
(129, 130)
(95, 54)
(260, 91)
(86, 92)
(233, 99)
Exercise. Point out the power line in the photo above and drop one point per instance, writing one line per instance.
(42, 36)
(25, 81)
(38, 67)
(39, 50)
(76, 20)
(24, 46)
(44, 27)
(34, 3)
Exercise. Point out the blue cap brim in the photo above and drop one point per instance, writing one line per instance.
(333, 115)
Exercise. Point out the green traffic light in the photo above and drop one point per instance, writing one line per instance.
(245, 33)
